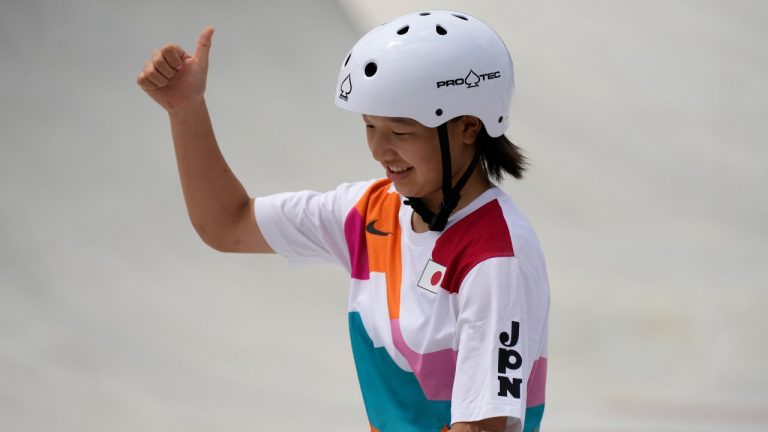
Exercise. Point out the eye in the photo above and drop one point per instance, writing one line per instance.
(400, 133)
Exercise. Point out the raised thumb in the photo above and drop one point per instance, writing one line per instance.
(203, 47)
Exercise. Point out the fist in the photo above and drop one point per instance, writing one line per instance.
(173, 78)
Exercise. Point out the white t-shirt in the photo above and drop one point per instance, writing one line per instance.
(446, 326)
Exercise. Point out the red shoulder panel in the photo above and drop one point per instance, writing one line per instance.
(480, 235)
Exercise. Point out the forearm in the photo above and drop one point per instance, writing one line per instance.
(215, 198)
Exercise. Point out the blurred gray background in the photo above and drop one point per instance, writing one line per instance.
(645, 123)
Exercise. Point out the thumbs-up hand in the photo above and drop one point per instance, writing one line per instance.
(173, 78)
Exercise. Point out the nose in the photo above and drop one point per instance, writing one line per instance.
(380, 145)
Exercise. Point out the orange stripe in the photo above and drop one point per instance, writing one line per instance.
(384, 254)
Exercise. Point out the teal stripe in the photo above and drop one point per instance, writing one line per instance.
(533, 417)
(393, 397)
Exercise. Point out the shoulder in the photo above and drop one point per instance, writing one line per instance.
(355, 191)
(495, 229)
(476, 237)
(377, 199)
(375, 192)
(528, 250)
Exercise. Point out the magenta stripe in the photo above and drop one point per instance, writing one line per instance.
(537, 382)
(358, 249)
(434, 371)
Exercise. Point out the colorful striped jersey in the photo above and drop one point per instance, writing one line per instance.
(445, 326)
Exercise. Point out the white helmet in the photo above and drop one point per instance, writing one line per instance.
(430, 66)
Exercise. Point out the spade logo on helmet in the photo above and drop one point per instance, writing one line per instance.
(346, 88)
(471, 80)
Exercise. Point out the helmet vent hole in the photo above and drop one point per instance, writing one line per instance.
(439, 112)
(460, 17)
(424, 13)
(501, 119)
(347, 60)
(403, 30)
(440, 30)
(370, 69)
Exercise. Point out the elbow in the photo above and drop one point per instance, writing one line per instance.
(238, 233)
(211, 238)
(217, 246)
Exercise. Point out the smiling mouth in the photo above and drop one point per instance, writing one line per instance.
(398, 170)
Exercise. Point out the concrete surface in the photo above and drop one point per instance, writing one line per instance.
(645, 123)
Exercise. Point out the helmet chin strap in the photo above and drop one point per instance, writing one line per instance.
(451, 196)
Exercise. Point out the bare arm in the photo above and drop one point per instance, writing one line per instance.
(219, 207)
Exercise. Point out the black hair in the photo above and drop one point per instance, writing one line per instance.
(499, 156)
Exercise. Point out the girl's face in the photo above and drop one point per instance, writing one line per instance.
(409, 152)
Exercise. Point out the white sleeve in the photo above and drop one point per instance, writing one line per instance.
(497, 343)
(307, 225)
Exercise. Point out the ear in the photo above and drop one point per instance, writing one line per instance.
(470, 128)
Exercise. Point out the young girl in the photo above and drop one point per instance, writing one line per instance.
(449, 299)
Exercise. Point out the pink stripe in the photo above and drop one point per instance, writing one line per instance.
(434, 371)
(537, 382)
(354, 233)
